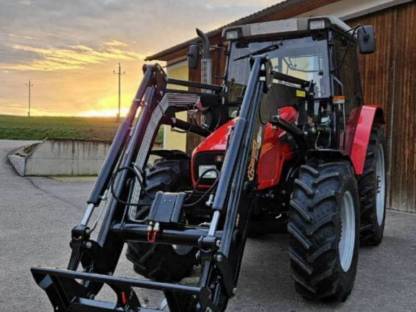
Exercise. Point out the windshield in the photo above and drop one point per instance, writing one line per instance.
(304, 58)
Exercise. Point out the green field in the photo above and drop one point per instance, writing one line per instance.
(66, 128)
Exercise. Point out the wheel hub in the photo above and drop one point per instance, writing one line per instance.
(347, 235)
(381, 184)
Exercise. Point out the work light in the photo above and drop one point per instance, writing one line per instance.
(232, 34)
(317, 24)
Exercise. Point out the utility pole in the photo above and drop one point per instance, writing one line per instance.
(119, 73)
(29, 85)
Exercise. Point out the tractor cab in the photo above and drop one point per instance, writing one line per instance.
(318, 50)
(314, 68)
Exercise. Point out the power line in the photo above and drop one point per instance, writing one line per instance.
(29, 85)
(119, 73)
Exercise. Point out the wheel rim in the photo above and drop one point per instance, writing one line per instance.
(381, 184)
(347, 237)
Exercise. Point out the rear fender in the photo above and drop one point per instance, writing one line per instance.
(368, 116)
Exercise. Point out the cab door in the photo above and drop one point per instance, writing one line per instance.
(348, 86)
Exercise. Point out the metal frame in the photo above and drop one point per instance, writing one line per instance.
(220, 253)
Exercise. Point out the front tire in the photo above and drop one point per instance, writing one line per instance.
(324, 231)
(164, 263)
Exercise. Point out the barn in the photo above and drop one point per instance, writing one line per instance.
(388, 75)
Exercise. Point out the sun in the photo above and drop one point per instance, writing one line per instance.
(103, 113)
(105, 107)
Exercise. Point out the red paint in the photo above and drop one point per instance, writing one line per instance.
(215, 142)
(151, 236)
(288, 113)
(351, 125)
(274, 153)
(123, 298)
(358, 148)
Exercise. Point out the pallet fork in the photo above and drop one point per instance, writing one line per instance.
(220, 246)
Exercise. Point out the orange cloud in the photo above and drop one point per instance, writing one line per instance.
(73, 57)
(116, 43)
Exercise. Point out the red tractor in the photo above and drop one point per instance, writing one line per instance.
(288, 146)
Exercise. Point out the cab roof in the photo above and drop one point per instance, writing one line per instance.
(285, 26)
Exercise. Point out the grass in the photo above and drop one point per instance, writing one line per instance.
(59, 128)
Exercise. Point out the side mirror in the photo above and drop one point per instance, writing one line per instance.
(193, 56)
(366, 39)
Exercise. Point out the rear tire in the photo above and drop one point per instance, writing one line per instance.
(372, 186)
(324, 231)
(156, 261)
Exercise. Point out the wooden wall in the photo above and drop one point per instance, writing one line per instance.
(389, 79)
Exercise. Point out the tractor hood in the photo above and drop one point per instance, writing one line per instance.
(216, 141)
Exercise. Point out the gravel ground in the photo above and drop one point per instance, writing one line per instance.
(37, 214)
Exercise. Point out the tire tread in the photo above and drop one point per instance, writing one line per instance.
(312, 228)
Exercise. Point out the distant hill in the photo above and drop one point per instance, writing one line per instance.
(66, 128)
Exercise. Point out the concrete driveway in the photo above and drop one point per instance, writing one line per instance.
(36, 215)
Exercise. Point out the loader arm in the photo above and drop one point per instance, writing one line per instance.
(221, 246)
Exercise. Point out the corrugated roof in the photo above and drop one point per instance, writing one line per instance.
(278, 8)
(247, 19)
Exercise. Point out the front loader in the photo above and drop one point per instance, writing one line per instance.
(287, 145)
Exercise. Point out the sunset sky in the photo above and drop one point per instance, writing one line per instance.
(69, 48)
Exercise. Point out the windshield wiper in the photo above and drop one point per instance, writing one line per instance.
(268, 48)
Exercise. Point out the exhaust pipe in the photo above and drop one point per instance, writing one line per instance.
(206, 62)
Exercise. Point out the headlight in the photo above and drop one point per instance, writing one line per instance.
(207, 171)
(317, 24)
(209, 163)
(232, 34)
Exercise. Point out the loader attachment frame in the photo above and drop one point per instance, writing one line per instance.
(220, 246)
